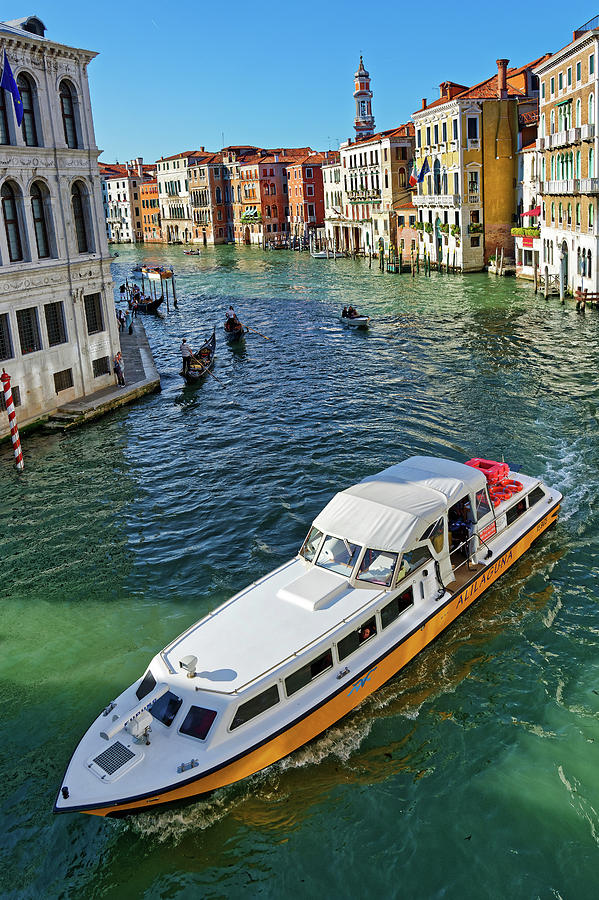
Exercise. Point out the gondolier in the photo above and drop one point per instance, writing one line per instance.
(186, 353)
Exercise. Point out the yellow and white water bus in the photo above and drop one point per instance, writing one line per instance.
(387, 565)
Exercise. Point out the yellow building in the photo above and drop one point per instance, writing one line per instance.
(466, 196)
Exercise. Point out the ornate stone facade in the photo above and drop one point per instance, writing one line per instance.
(58, 331)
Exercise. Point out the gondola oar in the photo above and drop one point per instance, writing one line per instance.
(247, 328)
(207, 370)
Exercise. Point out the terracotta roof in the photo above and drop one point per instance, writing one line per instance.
(489, 88)
(179, 155)
(531, 146)
(406, 130)
(407, 205)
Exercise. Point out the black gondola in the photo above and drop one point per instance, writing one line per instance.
(234, 331)
(148, 306)
(202, 361)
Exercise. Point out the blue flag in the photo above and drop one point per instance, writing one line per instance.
(424, 170)
(9, 84)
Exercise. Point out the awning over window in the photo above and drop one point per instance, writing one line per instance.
(533, 212)
(563, 102)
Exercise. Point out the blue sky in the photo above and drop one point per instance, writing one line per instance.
(175, 77)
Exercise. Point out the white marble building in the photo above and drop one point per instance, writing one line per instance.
(173, 195)
(58, 331)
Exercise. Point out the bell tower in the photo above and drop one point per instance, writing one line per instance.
(364, 121)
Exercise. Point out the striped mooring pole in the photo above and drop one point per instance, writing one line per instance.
(12, 418)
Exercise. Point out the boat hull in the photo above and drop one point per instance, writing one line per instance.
(351, 693)
(356, 321)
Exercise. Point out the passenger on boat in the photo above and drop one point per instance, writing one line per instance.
(231, 315)
(186, 353)
(352, 313)
(344, 313)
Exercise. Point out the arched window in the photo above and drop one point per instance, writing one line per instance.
(569, 213)
(67, 105)
(591, 215)
(12, 225)
(560, 214)
(78, 201)
(553, 212)
(402, 177)
(4, 130)
(589, 272)
(543, 124)
(437, 176)
(578, 113)
(386, 178)
(40, 223)
(579, 262)
(444, 182)
(218, 195)
(578, 214)
(591, 163)
(578, 168)
(591, 109)
(553, 168)
(543, 169)
(552, 121)
(27, 92)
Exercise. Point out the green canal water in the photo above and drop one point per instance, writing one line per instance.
(475, 773)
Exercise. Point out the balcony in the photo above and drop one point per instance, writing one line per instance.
(476, 228)
(541, 143)
(589, 185)
(558, 139)
(473, 198)
(566, 186)
(587, 133)
(436, 200)
(573, 135)
(365, 194)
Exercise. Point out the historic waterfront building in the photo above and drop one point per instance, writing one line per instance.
(306, 194)
(173, 194)
(527, 229)
(210, 194)
(466, 150)
(374, 182)
(121, 195)
(568, 144)
(150, 211)
(58, 331)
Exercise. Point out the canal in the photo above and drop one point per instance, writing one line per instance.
(472, 774)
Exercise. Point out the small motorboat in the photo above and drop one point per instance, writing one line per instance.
(355, 321)
(325, 254)
(191, 252)
(202, 361)
(234, 331)
(388, 565)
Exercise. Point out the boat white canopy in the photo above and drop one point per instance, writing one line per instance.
(392, 509)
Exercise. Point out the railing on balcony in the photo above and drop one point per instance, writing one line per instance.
(436, 200)
(540, 143)
(364, 194)
(573, 135)
(563, 186)
(559, 138)
(473, 198)
(589, 185)
(587, 132)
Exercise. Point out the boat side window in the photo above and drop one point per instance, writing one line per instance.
(514, 512)
(198, 722)
(255, 706)
(377, 566)
(309, 672)
(147, 684)
(350, 643)
(166, 708)
(482, 504)
(338, 555)
(413, 560)
(396, 607)
(310, 545)
(537, 494)
(435, 533)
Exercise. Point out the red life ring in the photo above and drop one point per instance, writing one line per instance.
(503, 494)
(514, 486)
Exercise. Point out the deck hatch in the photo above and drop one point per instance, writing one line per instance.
(114, 757)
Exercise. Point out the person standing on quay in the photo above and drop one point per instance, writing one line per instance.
(129, 321)
(119, 369)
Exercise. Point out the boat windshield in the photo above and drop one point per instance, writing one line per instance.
(377, 566)
(310, 545)
(338, 555)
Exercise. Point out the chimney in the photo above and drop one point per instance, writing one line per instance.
(502, 78)
(201, 150)
(140, 166)
(424, 103)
